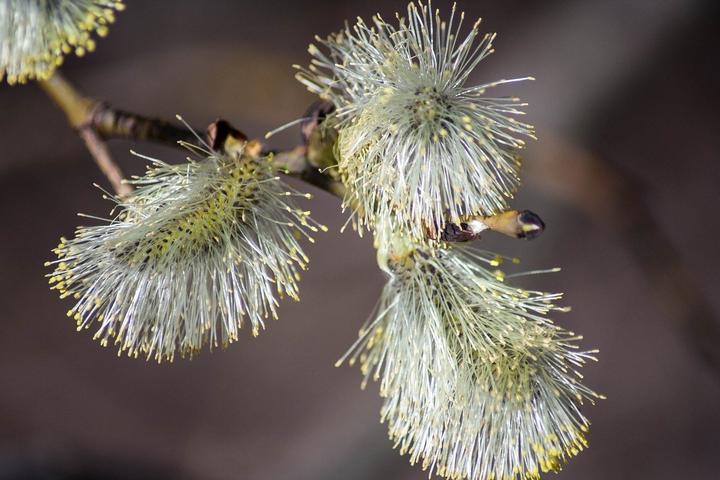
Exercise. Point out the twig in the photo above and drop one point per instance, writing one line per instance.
(111, 123)
(96, 121)
(99, 150)
(79, 111)
(613, 197)
(77, 108)
(296, 163)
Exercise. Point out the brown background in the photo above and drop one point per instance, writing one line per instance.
(631, 84)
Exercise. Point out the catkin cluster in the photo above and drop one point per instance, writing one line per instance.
(477, 381)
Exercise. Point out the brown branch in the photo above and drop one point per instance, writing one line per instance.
(99, 150)
(105, 122)
(296, 163)
(111, 123)
(613, 197)
(77, 108)
(79, 111)
(310, 162)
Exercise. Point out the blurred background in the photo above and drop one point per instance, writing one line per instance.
(625, 174)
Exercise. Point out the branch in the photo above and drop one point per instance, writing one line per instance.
(79, 112)
(111, 123)
(99, 150)
(296, 163)
(613, 197)
(311, 162)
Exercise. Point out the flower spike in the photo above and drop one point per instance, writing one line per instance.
(36, 34)
(477, 382)
(197, 250)
(416, 143)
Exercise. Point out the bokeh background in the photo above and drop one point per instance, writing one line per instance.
(625, 174)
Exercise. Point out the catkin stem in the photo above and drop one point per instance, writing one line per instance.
(96, 121)
(100, 152)
(77, 108)
(79, 112)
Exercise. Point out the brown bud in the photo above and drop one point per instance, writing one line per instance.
(314, 116)
(461, 232)
(221, 135)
